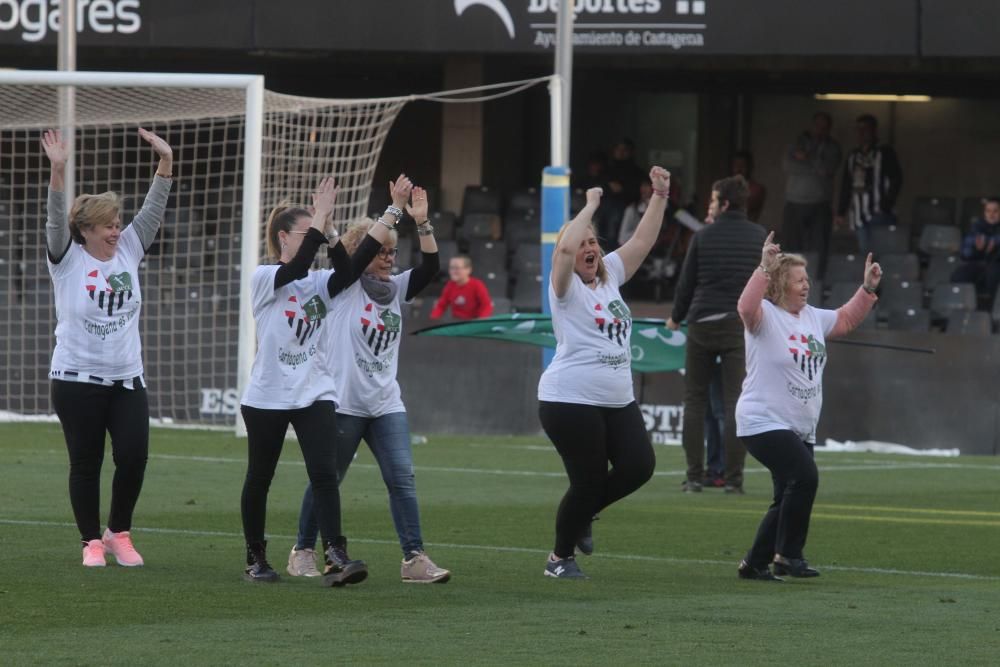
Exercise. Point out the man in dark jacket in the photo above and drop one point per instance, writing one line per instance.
(719, 262)
(981, 252)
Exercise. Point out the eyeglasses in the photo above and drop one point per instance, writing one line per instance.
(388, 253)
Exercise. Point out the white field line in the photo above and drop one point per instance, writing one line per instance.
(526, 550)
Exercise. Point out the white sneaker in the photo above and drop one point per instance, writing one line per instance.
(302, 563)
(421, 570)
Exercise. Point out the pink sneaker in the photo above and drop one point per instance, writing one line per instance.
(93, 554)
(120, 544)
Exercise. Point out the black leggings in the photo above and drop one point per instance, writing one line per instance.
(588, 438)
(785, 525)
(315, 427)
(88, 411)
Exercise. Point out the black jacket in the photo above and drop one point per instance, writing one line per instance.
(718, 265)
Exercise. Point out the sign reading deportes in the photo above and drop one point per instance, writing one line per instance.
(711, 27)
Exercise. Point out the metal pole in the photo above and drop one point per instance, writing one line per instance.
(564, 72)
(67, 94)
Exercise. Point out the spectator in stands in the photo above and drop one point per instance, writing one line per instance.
(98, 385)
(624, 177)
(981, 252)
(360, 349)
(634, 212)
(811, 164)
(467, 296)
(782, 397)
(871, 183)
(742, 165)
(720, 258)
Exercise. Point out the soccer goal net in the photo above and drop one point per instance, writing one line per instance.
(238, 150)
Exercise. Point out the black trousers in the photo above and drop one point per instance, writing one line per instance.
(588, 438)
(707, 341)
(87, 412)
(315, 427)
(786, 523)
(807, 228)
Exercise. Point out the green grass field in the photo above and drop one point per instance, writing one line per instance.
(909, 549)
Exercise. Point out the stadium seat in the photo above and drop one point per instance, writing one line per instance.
(444, 224)
(446, 250)
(900, 295)
(972, 210)
(971, 323)
(939, 270)
(488, 256)
(841, 293)
(940, 240)
(815, 293)
(501, 305)
(497, 282)
(481, 226)
(528, 293)
(812, 263)
(527, 201)
(480, 199)
(889, 240)
(527, 259)
(910, 320)
(900, 267)
(845, 268)
(933, 211)
(526, 228)
(949, 299)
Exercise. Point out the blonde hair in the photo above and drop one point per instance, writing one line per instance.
(602, 271)
(356, 232)
(779, 276)
(90, 211)
(282, 219)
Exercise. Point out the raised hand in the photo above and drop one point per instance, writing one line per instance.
(771, 253)
(55, 148)
(594, 197)
(162, 148)
(400, 190)
(873, 273)
(660, 178)
(418, 209)
(324, 197)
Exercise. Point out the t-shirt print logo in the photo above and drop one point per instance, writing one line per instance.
(305, 324)
(808, 354)
(379, 334)
(616, 328)
(115, 293)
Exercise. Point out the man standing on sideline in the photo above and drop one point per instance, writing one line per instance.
(871, 184)
(719, 261)
(810, 164)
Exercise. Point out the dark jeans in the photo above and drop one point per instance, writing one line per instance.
(715, 426)
(88, 411)
(784, 527)
(807, 228)
(588, 438)
(265, 437)
(707, 341)
(984, 274)
(864, 231)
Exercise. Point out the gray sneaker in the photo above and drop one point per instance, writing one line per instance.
(302, 563)
(691, 486)
(420, 569)
(563, 568)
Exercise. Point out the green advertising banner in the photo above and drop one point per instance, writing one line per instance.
(655, 348)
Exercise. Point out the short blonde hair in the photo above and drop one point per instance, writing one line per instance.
(779, 276)
(89, 211)
(356, 232)
(602, 271)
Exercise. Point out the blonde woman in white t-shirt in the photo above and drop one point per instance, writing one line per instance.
(291, 307)
(98, 386)
(779, 408)
(586, 402)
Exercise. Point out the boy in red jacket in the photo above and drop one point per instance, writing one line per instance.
(467, 296)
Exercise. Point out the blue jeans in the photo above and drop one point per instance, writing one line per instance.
(388, 438)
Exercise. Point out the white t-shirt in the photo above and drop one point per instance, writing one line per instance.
(783, 388)
(289, 320)
(97, 312)
(593, 327)
(361, 351)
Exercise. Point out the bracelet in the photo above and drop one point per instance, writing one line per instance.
(870, 290)
(394, 211)
(170, 175)
(426, 229)
(422, 222)
(764, 270)
(391, 226)
(662, 193)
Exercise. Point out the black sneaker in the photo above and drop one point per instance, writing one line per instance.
(258, 569)
(340, 570)
(563, 568)
(585, 544)
(748, 571)
(794, 567)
